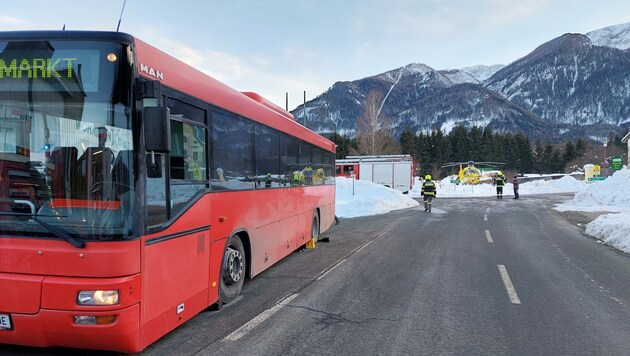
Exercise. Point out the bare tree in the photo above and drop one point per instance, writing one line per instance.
(373, 136)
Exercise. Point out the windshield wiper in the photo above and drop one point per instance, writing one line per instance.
(59, 232)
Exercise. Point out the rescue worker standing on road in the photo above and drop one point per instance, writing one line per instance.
(499, 182)
(428, 191)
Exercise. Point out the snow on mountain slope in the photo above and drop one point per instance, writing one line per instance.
(483, 72)
(617, 36)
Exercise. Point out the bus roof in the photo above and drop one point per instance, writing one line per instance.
(178, 75)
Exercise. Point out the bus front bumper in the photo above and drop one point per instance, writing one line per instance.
(49, 328)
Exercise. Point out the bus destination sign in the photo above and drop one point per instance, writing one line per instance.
(34, 68)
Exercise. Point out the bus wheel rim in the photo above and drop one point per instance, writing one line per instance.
(234, 265)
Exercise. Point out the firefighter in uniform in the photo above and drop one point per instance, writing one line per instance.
(307, 175)
(428, 192)
(499, 182)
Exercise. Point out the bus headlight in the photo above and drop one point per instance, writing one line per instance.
(98, 297)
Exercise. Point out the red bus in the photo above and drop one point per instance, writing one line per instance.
(136, 191)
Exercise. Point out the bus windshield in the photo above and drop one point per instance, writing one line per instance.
(65, 139)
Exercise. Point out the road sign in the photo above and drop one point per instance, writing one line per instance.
(617, 163)
(596, 178)
(596, 170)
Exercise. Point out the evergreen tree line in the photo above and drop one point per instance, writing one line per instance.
(433, 150)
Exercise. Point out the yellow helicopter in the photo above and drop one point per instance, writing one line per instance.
(470, 174)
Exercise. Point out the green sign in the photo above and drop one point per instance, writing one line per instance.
(617, 163)
(596, 178)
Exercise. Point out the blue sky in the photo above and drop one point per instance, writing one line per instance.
(278, 46)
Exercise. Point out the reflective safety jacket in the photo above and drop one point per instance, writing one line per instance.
(499, 181)
(428, 188)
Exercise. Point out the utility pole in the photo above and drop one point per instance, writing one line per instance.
(304, 107)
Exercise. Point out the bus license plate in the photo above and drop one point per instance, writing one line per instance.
(5, 322)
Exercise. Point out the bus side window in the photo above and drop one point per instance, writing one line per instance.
(232, 152)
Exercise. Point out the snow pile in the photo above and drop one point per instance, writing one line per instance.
(606, 195)
(368, 198)
(612, 230)
(566, 184)
(610, 195)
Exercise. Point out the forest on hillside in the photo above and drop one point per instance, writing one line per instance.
(462, 144)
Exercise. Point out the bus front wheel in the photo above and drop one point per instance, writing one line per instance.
(232, 270)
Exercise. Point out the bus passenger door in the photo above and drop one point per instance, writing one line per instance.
(177, 253)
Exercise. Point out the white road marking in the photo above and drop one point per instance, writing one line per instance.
(508, 285)
(485, 218)
(330, 269)
(362, 247)
(240, 332)
(489, 237)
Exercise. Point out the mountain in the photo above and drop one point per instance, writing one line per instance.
(567, 87)
(617, 36)
(568, 80)
(339, 108)
(481, 72)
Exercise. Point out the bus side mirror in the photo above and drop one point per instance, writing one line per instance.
(157, 130)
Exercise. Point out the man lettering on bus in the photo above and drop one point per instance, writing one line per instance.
(428, 192)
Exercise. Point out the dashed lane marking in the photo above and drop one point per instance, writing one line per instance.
(508, 285)
(489, 237)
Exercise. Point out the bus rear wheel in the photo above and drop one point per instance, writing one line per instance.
(315, 228)
(232, 270)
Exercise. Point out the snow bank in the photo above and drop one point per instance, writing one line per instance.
(368, 199)
(611, 194)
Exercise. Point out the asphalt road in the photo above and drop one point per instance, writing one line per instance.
(474, 277)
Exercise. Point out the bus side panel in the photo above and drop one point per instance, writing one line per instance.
(175, 281)
(327, 216)
(291, 230)
(248, 212)
(266, 225)
(291, 236)
(264, 242)
(277, 222)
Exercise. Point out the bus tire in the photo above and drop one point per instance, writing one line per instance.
(315, 227)
(232, 270)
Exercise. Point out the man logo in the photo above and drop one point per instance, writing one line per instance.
(152, 72)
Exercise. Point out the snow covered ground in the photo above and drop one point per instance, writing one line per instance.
(611, 196)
